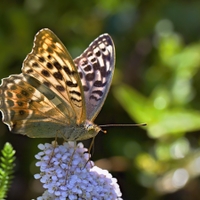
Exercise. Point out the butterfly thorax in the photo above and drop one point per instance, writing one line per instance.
(83, 131)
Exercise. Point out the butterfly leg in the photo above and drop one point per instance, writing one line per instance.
(89, 150)
(55, 143)
(71, 159)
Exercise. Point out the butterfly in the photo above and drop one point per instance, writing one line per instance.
(56, 96)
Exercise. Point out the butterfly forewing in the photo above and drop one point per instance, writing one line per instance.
(50, 63)
(96, 68)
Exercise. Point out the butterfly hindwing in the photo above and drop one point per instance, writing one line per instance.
(25, 106)
(96, 67)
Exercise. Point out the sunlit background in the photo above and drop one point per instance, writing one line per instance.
(156, 81)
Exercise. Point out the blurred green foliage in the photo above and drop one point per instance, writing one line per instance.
(156, 81)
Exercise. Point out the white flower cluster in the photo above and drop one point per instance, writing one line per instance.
(66, 174)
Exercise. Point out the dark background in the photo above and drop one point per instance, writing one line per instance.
(156, 81)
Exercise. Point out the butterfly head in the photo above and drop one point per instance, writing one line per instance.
(91, 130)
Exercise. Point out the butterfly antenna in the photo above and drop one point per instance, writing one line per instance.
(119, 125)
(103, 131)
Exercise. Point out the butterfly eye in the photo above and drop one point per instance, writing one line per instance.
(88, 125)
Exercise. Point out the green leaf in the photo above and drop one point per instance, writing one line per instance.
(6, 170)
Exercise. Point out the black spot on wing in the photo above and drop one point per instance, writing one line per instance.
(95, 98)
(41, 59)
(9, 94)
(21, 112)
(90, 77)
(29, 71)
(71, 84)
(75, 92)
(19, 96)
(88, 68)
(49, 65)
(35, 64)
(98, 53)
(99, 92)
(60, 88)
(68, 71)
(24, 93)
(103, 71)
(85, 88)
(13, 87)
(47, 83)
(45, 73)
(99, 84)
(10, 103)
(50, 51)
(19, 103)
(93, 60)
(96, 66)
(58, 75)
(78, 100)
(57, 65)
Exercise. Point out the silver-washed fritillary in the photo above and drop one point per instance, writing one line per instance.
(56, 96)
